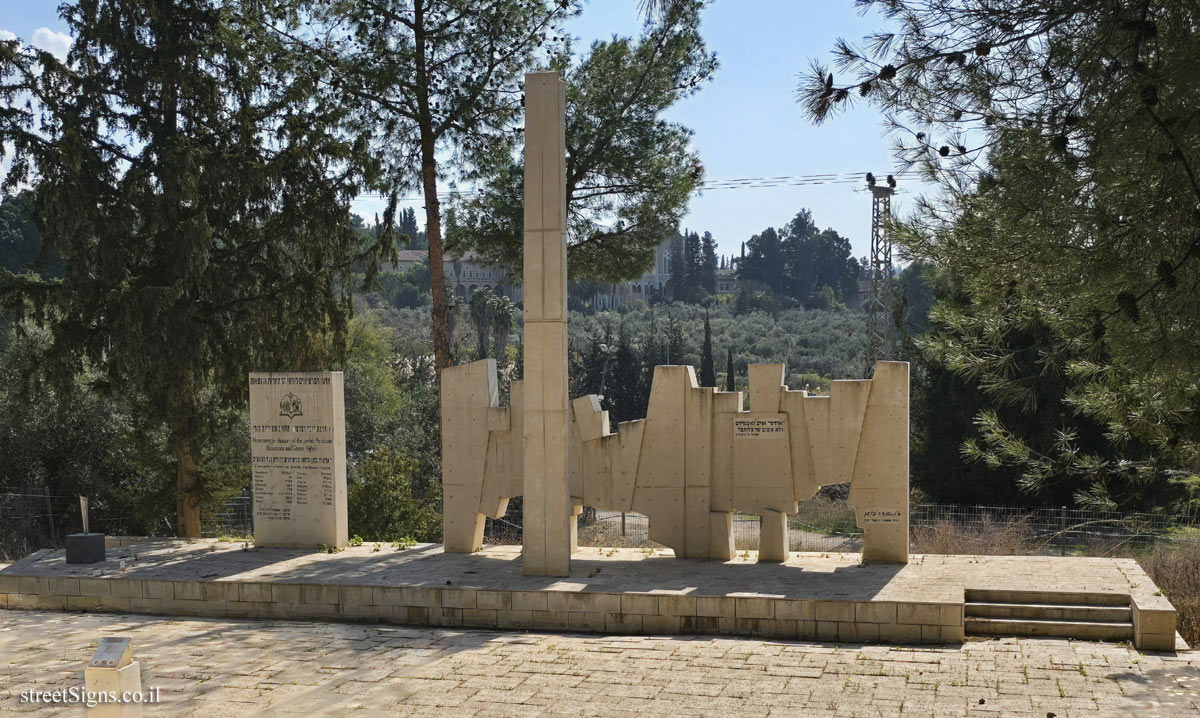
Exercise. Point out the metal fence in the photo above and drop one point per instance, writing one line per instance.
(30, 520)
(942, 528)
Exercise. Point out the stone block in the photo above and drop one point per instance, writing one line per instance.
(145, 605)
(827, 630)
(858, 632)
(1155, 642)
(10, 584)
(720, 534)
(660, 625)
(95, 587)
(558, 600)
(387, 595)
(721, 607)
(319, 593)
(450, 617)
(699, 624)
(953, 634)
(158, 589)
(221, 591)
(834, 611)
(461, 598)
(931, 634)
(1156, 621)
(50, 602)
(508, 618)
(427, 597)
(128, 588)
(875, 612)
(669, 605)
(785, 629)
(951, 614)
(531, 601)
(589, 621)
(551, 620)
(494, 600)
(588, 602)
(795, 610)
(806, 630)
(919, 613)
(356, 596)
(645, 604)
(479, 617)
(738, 626)
(754, 607)
(773, 539)
(28, 600)
(189, 591)
(61, 587)
(622, 623)
(84, 548)
(241, 609)
(900, 633)
(366, 612)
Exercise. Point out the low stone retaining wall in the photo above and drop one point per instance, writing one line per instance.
(550, 610)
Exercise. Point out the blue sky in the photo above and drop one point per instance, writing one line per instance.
(746, 120)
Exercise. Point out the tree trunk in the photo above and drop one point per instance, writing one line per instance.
(433, 217)
(437, 277)
(187, 484)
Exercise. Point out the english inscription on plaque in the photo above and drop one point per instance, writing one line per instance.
(298, 455)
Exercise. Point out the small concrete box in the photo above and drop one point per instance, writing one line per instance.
(85, 548)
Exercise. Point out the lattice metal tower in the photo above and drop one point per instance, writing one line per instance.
(880, 329)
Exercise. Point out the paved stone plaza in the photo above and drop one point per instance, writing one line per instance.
(224, 668)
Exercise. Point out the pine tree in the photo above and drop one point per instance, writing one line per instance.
(708, 376)
(436, 82)
(630, 172)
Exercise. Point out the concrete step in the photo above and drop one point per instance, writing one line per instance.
(1084, 630)
(1050, 612)
(1055, 598)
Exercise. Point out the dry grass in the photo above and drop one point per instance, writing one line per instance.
(990, 537)
(607, 534)
(1175, 568)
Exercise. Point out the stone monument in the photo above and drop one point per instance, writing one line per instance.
(298, 455)
(697, 457)
(545, 439)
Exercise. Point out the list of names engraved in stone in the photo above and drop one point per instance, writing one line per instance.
(292, 448)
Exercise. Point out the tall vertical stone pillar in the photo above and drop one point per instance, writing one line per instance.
(547, 502)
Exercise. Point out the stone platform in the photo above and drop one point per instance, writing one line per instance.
(824, 596)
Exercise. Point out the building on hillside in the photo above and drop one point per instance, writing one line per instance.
(467, 273)
(463, 274)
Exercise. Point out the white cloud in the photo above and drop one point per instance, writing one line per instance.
(56, 43)
(6, 35)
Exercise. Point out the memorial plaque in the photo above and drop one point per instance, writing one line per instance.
(113, 652)
(760, 427)
(882, 516)
(762, 461)
(298, 454)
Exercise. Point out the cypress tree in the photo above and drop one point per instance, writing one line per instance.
(198, 196)
(729, 385)
(708, 375)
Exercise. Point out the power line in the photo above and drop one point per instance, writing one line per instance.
(736, 183)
